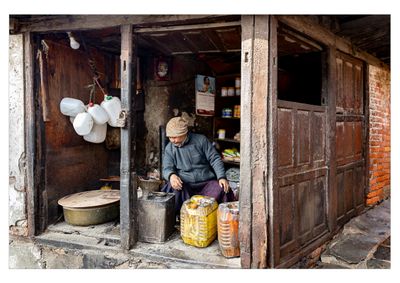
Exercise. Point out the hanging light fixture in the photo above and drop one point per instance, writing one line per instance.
(72, 41)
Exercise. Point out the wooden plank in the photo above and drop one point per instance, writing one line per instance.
(331, 139)
(300, 106)
(366, 131)
(308, 27)
(44, 87)
(128, 216)
(273, 193)
(188, 27)
(295, 258)
(259, 141)
(215, 39)
(245, 204)
(41, 23)
(30, 134)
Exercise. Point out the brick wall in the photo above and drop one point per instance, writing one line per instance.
(379, 136)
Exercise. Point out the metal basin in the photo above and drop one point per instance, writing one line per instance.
(90, 207)
(91, 216)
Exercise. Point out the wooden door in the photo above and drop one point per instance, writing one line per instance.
(350, 134)
(301, 186)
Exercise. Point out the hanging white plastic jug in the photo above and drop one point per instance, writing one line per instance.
(112, 105)
(98, 113)
(83, 123)
(71, 106)
(97, 134)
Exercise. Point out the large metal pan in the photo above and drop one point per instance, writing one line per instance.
(90, 207)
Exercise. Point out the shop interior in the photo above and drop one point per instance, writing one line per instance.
(69, 62)
(71, 164)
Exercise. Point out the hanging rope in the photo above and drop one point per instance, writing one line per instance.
(92, 66)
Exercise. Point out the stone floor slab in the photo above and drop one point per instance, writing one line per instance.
(353, 249)
(378, 264)
(382, 253)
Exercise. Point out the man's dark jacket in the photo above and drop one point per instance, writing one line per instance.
(195, 161)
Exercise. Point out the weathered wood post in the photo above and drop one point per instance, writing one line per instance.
(254, 146)
(331, 139)
(128, 203)
(30, 134)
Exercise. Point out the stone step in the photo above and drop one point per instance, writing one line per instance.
(359, 240)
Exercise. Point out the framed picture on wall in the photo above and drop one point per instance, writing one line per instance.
(162, 68)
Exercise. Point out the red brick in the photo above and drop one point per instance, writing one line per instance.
(382, 178)
(375, 193)
(372, 201)
(376, 187)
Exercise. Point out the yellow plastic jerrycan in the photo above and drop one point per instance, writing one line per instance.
(199, 221)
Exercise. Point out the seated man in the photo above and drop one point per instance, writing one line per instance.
(192, 166)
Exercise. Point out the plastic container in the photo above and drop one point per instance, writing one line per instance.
(112, 105)
(71, 106)
(236, 111)
(237, 91)
(98, 113)
(231, 91)
(83, 123)
(224, 91)
(221, 134)
(237, 82)
(199, 221)
(228, 229)
(227, 113)
(97, 134)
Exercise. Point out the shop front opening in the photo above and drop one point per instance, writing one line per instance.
(168, 62)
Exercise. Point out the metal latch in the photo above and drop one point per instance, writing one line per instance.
(121, 121)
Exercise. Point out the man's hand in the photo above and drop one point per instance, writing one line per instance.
(224, 184)
(176, 182)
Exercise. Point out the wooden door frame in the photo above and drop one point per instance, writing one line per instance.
(273, 232)
(30, 135)
(253, 201)
(128, 184)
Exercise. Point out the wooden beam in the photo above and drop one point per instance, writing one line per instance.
(42, 23)
(366, 133)
(331, 139)
(273, 222)
(245, 204)
(254, 146)
(259, 144)
(187, 27)
(308, 27)
(128, 202)
(30, 133)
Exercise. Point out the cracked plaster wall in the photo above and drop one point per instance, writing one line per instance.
(17, 171)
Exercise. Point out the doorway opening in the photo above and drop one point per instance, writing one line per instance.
(73, 164)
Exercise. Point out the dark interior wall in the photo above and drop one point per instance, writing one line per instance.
(72, 164)
(166, 99)
(299, 78)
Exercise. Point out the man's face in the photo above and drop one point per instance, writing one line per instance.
(177, 141)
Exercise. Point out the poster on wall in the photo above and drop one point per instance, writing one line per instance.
(205, 95)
